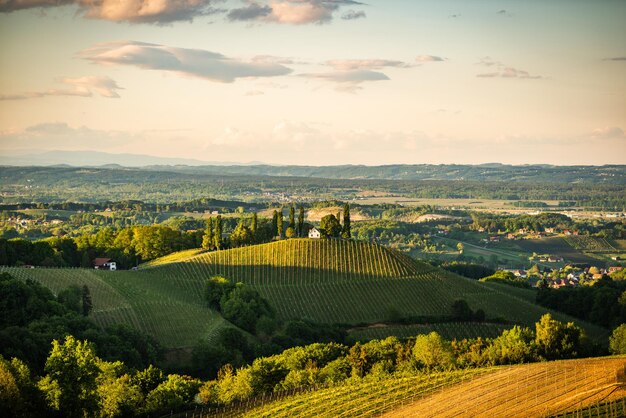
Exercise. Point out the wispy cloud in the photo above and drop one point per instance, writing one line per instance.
(134, 11)
(504, 71)
(296, 12)
(615, 59)
(348, 81)
(353, 14)
(365, 64)
(187, 62)
(81, 86)
(428, 58)
(608, 132)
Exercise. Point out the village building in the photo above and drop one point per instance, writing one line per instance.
(102, 263)
(315, 233)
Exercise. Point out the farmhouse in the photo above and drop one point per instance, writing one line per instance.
(101, 263)
(315, 233)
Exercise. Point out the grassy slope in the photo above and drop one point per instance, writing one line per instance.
(323, 280)
(529, 390)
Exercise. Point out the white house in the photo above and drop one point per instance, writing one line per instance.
(315, 233)
(104, 264)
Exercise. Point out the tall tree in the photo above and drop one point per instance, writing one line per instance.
(87, 302)
(207, 239)
(274, 224)
(330, 226)
(255, 223)
(345, 232)
(70, 386)
(292, 217)
(218, 232)
(279, 224)
(300, 221)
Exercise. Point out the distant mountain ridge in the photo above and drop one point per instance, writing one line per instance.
(611, 174)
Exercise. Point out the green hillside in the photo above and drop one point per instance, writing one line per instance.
(329, 281)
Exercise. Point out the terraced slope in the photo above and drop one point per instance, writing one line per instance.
(329, 281)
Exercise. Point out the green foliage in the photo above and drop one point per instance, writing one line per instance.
(555, 340)
(242, 235)
(506, 277)
(514, 346)
(617, 341)
(175, 392)
(215, 288)
(243, 306)
(19, 396)
(330, 226)
(279, 224)
(346, 231)
(207, 238)
(290, 233)
(86, 302)
(119, 397)
(70, 383)
(217, 236)
(433, 352)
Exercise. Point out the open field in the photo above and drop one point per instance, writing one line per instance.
(327, 281)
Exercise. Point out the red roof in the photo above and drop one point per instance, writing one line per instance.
(101, 261)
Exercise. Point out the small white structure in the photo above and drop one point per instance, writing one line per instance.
(315, 233)
(104, 264)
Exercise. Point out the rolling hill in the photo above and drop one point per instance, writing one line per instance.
(531, 390)
(329, 281)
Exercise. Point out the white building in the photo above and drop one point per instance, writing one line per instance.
(315, 233)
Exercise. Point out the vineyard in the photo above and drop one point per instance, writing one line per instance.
(590, 244)
(328, 281)
(560, 388)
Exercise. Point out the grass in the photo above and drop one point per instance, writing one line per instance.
(328, 281)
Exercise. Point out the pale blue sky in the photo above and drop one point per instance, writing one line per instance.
(401, 82)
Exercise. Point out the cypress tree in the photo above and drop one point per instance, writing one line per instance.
(207, 239)
(292, 217)
(300, 221)
(218, 232)
(345, 232)
(279, 224)
(255, 222)
(275, 223)
(87, 302)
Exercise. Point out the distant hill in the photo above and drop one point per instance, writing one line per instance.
(329, 281)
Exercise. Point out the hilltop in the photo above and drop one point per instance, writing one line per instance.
(327, 281)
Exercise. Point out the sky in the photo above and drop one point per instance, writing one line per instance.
(317, 82)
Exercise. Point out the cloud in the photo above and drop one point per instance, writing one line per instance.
(187, 62)
(81, 86)
(615, 59)
(503, 71)
(612, 132)
(428, 58)
(348, 81)
(253, 11)
(255, 93)
(353, 14)
(501, 12)
(295, 12)
(134, 11)
(365, 64)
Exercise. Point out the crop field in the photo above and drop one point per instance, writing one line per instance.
(531, 390)
(448, 330)
(589, 244)
(328, 281)
(539, 389)
(555, 246)
(167, 307)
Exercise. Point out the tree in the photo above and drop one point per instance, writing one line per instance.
(513, 346)
(330, 226)
(242, 235)
(274, 224)
(300, 229)
(87, 302)
(217, 238)
(617, 341)
(292, 217)
(460, 247)
(70, 384)
(346, 232)
(290, 232)
(207, 239)
(556, 340)
(461, 311)
(433, 352)
(279, 224)
(255, 223)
